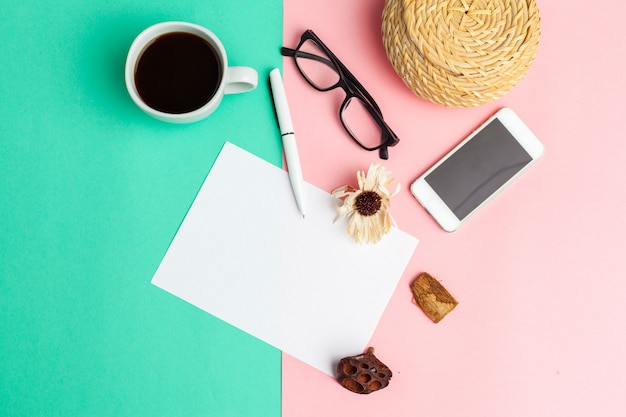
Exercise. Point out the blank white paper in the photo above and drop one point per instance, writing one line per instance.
(245, 255)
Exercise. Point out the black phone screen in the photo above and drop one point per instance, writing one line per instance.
(478, 169)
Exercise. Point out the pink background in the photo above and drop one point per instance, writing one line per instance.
(540, 272)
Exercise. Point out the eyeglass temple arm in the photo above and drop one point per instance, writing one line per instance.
(292, 52)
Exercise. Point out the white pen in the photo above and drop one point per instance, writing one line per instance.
(288, 137)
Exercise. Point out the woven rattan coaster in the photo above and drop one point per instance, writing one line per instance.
(461, 53)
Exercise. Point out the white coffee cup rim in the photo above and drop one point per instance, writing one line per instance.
(144, 39)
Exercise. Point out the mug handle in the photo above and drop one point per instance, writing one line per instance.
(240, 80)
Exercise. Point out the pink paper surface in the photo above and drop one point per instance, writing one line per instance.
(540, 272)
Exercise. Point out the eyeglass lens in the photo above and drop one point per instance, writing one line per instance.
(356, 116)
(316, 66)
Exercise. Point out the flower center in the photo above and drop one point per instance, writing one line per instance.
(368, 203)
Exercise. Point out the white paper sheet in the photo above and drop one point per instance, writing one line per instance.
(245, 255)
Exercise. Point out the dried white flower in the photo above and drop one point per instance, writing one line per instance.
(368, 206)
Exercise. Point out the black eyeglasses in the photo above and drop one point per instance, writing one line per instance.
(359, 114)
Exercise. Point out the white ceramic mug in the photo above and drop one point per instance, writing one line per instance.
(235, 79)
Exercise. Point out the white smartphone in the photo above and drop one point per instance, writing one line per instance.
(478, 168)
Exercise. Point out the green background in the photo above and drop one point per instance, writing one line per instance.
(92, 192)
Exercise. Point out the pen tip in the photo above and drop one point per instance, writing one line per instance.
(303, 215)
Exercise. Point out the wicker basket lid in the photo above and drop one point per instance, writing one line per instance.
(461, 53)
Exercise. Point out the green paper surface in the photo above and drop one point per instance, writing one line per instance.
(92, 192)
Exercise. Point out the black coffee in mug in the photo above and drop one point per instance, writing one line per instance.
(178, 72)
